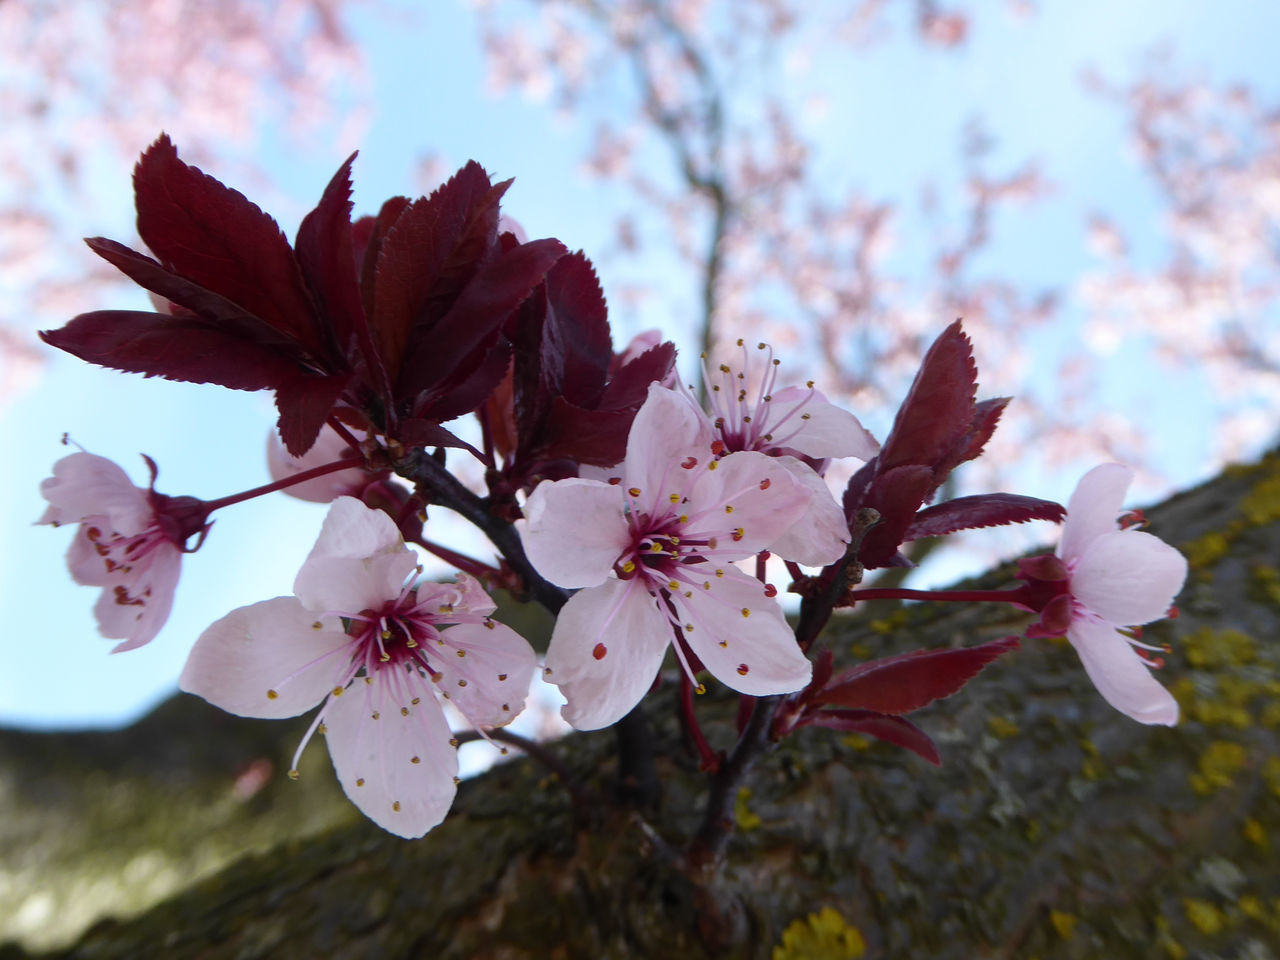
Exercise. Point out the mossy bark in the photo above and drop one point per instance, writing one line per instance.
(1056, 828)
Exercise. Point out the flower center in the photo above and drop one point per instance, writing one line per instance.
(743, 407)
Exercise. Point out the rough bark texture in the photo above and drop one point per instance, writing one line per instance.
(1056, 828)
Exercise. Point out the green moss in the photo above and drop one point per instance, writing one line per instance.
(1064, 923)
(1218, 765)
(820, 936)
(1002, 727)
(742, 813)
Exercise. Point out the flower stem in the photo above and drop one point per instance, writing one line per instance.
(903, 593)
(345, 463)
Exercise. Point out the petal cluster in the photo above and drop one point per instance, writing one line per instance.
(381, 654)
(120, 546)
(1116, 578)
(652, 556)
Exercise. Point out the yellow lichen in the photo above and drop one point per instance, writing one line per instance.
(1252, 907)
(746, 819)
(1211, 649)
(856, 741)
(1266, 581)
(1064, 923)
(1164, 939)
(1271, 774)
(1256, 833)
(1207, 918)
(1218, 765)
(1261, 505)
(1002, 727)
(1207, 550)
(825, 935)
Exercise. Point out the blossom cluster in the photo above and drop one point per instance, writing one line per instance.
(649, 520)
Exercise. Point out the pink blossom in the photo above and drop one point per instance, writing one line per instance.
(382, 678)
(329, 446)
(130, 543)
(1102, 579)
(653, 554)
(748, 411)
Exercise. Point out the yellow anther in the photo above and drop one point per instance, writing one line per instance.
(728, 508)
(700, 689)
(368, 681)
(415, 759)
(673, 497)
(655, 547)
(675, 541)
(293, 774)
(746, 612)
(488, 625)
(322, 729)
(455, 742)
(628, 567)
(706, 584)
(503, 751)
(634, 491)
(809, 384)
(404, 711)
(673, 585)
(724, 368)
(501, 677)
(376, 715)
(396, 806)
(739, 341)
(806, 416)
(337, 691)
(462, 653)
(684, 518)
(713, 464)
(719, 573)
(506, 708)
(688, 628)
(446, 608)
(416, 700)
(761, 345)
(457, 780)
(360, 782)
(317, 625)
(724, 643)
(271, 694)
(384, 657)
(411, 644)
(462, 683)
(385, 634)
(776, 361)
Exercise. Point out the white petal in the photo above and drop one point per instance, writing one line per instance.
(134, 605)
(829, 431)
(755, 653)
(1118, 672)
(84, 485)
(750, 492)
(399, 768)
(489, 682)
(267, 648)
(666, 430)
(574, 530)
(329, 446)
(821, 534)
(622, 622)
(359, 561)
(1128, 577)
(1094, 508)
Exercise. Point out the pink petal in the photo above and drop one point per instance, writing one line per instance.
(606, 648)
(134, 605)
(399, 768)
(1120, 675)
(489, 683)
(1094, 508)
(1128, 577)
(574, 531)
(359, 561)
(821, 534)
(84, 485)
(271, 659)
(829, 431)
(754, 653)
(750, 492)
(666, 430)
(329, 446)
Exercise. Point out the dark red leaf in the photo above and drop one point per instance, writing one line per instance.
(938, 410)
(629, 385)
(183, 348)
(325, 256)
(576, 349)
(896, 730)
(457, 339)
(897, 494)
(367, 235)
(468, 388)
(305, 401)
(981, 510)
(425, 433)
(429, 257)
(969, 447)
(597, 437)
(909, 681)
(217, 238)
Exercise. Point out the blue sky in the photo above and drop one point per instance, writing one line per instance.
(894, 117)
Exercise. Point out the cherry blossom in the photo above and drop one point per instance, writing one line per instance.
(129, 543)
(381, 653)
(653, 553)
(329, 446)
(750, 412)
(1103, 578)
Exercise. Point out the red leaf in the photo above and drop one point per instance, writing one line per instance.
(367, 235)
(938, 410)
(909, 681)
(897, 494)
(468, 388)
(325, 256)
(214, 236)
(576, 349)
(425, 433)
(597, 437)
(896, 730)
(630, 383)
(304, 401)
(186, 348)
(981, 510)
(457, 340)
(428, 257)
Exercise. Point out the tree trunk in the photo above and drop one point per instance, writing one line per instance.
(1056, 828)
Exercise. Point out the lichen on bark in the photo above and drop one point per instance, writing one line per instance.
(1057, 828)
